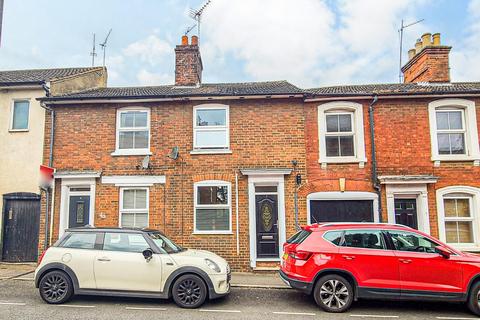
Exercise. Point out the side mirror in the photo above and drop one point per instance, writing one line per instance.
(443, 252)
(147, 254)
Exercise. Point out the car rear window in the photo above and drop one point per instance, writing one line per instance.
(334, 237)
(299, 237)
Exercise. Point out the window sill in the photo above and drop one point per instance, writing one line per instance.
(117, 153)
(203, 233)
(342, 160)
(211, 151)
(437, 160)
(18, 130)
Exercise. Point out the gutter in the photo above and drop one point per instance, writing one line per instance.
(376, 184)
(400, 96)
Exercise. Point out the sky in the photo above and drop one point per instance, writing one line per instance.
(310, 43)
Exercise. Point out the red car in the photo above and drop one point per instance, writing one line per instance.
(341, 262)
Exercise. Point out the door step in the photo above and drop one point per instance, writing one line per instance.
(273, 268)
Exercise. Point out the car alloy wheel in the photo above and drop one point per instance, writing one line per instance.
(189, 291)
(55, 287)
(333, 293)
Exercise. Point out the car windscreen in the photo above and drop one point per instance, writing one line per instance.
(165, 244)
(299, 237)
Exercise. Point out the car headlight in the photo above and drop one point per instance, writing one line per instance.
(212, 265)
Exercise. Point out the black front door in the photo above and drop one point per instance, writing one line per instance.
(267, 226)
(406, 212)
(21, 222)
(79, 211)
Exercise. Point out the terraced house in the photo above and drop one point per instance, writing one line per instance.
(233, 167)
(22, 123)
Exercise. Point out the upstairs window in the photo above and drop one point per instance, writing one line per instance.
(133, 131)
(341, 133)
(20, 115)
(453, 131)
(211, 127)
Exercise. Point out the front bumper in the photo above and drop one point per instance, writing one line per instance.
(221, 285)
(296, 284)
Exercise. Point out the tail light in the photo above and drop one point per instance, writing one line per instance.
(300, 255)
(41, 256)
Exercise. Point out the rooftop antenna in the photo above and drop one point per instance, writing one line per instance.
(197, 15)
(188, 29)
(1, 18)
(93, 53)
(104, 45)
(403, 27)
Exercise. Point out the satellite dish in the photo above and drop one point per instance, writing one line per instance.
(146, 162)
(174, 153)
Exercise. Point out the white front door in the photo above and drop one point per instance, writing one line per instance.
(121, 265)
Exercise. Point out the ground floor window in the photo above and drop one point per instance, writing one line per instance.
(458, 221)
(212, 207)
(134, 207)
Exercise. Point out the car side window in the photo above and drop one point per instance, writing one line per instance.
(367, 239)
(80, 240)
(334, 237)
(125, 242)
(409, 241)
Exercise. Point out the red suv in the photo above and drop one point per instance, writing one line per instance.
(340, 262)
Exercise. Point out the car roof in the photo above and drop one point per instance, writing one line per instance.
(111, 229)
(354, 225)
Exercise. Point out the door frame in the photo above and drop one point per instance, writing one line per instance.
(265, 177)
(409, 191)
(76, 182)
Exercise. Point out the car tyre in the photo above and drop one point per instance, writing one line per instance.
(473, 301)
(189, 291)
(56, 287)
(333, 293)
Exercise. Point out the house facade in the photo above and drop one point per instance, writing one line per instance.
(235, 167)
(22, 123)
(211, 165)
(423, 170)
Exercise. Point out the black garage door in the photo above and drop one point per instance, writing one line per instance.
(341, 211)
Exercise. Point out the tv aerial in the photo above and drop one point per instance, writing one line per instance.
(93, 53)
(104, 45)
(197, 15)
(400, 31)
(190, 29)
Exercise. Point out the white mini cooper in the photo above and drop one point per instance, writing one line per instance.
(129, 263)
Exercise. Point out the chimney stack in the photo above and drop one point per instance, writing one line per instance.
(428, 62)
(188, 63)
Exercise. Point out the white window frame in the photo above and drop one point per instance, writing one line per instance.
(341, 133)
(342, 107)
(12, 112)
(226, 128)
(210, 183)
(122, 152)
(122, 210)
(474, 195)
(472, 149)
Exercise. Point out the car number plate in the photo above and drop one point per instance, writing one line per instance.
(285, 256)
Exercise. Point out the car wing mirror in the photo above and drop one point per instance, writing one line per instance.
(147, 254)
(443, 252)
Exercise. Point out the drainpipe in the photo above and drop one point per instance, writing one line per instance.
(376, 185)
(236, 213)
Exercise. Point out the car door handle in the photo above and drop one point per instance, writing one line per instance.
(406, 261)
(349, 257)
(103, 259)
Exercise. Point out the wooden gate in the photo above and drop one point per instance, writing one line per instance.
(21, 222)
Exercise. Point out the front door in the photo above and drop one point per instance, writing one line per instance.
(21, 222)
(79, 211)
(406, 212)
(267, 225)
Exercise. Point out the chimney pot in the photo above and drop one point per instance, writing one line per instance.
(194, 41)
(418, 46)
(411, 54)
(426, 40)
(185, 40)
(436, 39)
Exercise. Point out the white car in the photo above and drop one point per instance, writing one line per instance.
(129, 263)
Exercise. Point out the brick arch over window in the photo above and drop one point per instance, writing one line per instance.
(343, 110)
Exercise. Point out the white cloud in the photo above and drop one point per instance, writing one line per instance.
(307, 41)
(147, 78)
(465, 62)
(151, 50)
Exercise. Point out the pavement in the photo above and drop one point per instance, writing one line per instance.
(20, 300)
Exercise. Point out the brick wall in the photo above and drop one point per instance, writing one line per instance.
(429, 65)
(263, 134)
